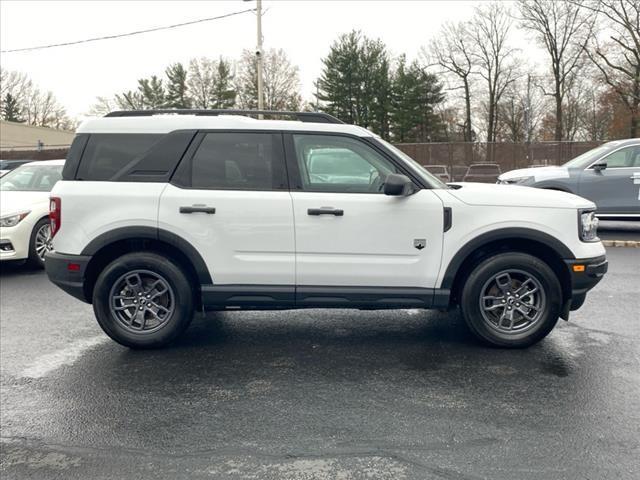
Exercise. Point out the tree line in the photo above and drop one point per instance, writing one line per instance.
(21, 100)
(469, 82)
(206, 83)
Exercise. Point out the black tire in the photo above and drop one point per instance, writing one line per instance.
(521, 266)
(34, 260)
(179, 294)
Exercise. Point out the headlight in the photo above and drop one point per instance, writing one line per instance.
(13, 219)
(588, 226)
(514, 181)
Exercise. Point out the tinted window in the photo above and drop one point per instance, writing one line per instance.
(31, 178)
(239, 161)
(106, 154)
(624, 158)
(340, 164)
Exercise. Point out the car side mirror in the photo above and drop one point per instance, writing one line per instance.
(599, 166)
(397, 184)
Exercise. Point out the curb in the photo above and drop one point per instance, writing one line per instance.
(621, 243)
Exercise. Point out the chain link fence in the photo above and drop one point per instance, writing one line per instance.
(482, 161)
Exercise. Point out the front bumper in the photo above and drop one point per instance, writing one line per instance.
(68, 273)
(585, 274)
(14, 241)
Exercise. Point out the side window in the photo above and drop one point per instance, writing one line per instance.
(106, 154)
(329, 163)
(239, 161)
(623, 158)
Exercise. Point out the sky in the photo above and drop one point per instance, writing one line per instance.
(304, 29)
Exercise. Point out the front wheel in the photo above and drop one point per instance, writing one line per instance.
(39, 243)
(511, 300)
(143, 300)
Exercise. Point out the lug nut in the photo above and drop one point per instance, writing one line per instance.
(141, 308)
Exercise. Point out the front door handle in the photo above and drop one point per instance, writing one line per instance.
(198, 209)
(326, 211)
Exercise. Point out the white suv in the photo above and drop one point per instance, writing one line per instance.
(160, 213)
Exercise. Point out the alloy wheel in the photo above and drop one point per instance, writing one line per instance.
(512, 301)
(141, 301)
(43, 241)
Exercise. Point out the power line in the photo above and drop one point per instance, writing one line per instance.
(138, 32)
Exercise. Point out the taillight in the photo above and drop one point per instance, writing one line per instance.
(55, 214)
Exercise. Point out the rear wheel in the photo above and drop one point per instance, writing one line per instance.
(511, 300)
(143, 300)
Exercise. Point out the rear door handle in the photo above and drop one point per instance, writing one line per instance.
(326, 211)
(198, 209)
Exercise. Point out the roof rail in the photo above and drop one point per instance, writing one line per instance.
(313, 117)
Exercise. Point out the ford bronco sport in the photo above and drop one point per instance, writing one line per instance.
(162, 213)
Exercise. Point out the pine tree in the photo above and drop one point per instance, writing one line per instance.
(355, 83)
(11, 109)
(415, 95)
(177, 92)
(152, 92)
(223, 93)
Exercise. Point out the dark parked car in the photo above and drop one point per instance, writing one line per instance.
(482, 172)
(440, 171)
(608, 175)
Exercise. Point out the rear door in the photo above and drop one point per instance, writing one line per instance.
(348, 232)
(615, 189)
(229, 198)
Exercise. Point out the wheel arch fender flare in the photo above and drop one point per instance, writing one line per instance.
(153, 234)
(519, 234)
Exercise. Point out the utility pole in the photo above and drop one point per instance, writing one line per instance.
(259, 55)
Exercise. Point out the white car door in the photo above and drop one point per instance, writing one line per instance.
(348, 232)
(230, 200)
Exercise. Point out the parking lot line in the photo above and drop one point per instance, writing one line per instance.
(67, 356)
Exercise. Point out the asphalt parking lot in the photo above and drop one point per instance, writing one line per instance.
(319, 394)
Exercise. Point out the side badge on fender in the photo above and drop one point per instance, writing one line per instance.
(419, 243)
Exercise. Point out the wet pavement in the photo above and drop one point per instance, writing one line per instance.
(319, 394)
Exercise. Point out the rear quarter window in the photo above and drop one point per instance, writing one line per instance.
(107, 154)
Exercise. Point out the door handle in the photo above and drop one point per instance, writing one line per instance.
(326, 211)
(198, 209)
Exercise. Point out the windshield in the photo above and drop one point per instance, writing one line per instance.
(432, 180)
(584, 160)
(31, 178)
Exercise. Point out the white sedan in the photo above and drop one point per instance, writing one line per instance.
(24, 211)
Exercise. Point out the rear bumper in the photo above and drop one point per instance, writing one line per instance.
(67, 272)
(585, 274)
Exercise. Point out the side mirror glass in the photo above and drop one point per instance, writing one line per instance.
(398, 185)
(599, 166)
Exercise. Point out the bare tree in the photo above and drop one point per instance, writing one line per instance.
(618, 59)
(281, 81)
(493, 57)
(102, 106)
(595, 118)
(31, 104)
(451, 50)
(521, 110)
(210, 83)
(13, 83)
(563, 28)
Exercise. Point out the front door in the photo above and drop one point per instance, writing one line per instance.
(348, 232)
(615, 189)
